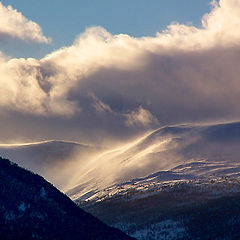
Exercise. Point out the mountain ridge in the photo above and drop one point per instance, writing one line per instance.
(179, 151)
(32, 208)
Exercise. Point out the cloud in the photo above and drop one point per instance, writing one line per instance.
(140, 117)
(14, 25)
(116, 86)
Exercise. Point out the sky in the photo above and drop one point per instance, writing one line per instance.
(108, 77)
(64, 20)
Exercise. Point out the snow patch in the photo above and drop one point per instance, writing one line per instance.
(10, 216)
(164, 230)
(43, 193)
(22, 207)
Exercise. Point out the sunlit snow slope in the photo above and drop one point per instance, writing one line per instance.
(172, 152)
(55, 160)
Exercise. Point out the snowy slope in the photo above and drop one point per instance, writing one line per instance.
(150, 209)
(193, 191)
(54, 160)
(180, 152)
(156, 187)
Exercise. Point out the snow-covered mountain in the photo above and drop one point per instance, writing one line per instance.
(54, 160)
(172, 210)
(186, 185)
(173, 178)
(180, 152)
(183, 152)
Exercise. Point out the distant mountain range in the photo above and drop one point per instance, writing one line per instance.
(177, 182)
(54, 160)
(181, 152)
(31, 208)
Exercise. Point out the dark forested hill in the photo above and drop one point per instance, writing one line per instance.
(31, 208)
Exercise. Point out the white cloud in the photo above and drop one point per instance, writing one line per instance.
(140, 117)
(184, 74)
(13, 24)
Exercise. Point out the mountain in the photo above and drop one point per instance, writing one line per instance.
(181, 152)
(49, 157)
(148, 209)
(31, 208)
(178, 182)
(189, 151)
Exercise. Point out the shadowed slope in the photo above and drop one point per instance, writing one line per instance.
(31, 208)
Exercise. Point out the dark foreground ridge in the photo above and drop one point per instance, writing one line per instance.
(31, 208)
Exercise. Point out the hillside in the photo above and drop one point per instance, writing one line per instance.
(31, 208)
(192, 191)
(149, 209)
(49, 157)
(181, 152)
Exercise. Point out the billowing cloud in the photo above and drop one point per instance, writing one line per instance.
(140, 117)
(13, 24)
(117, 86)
